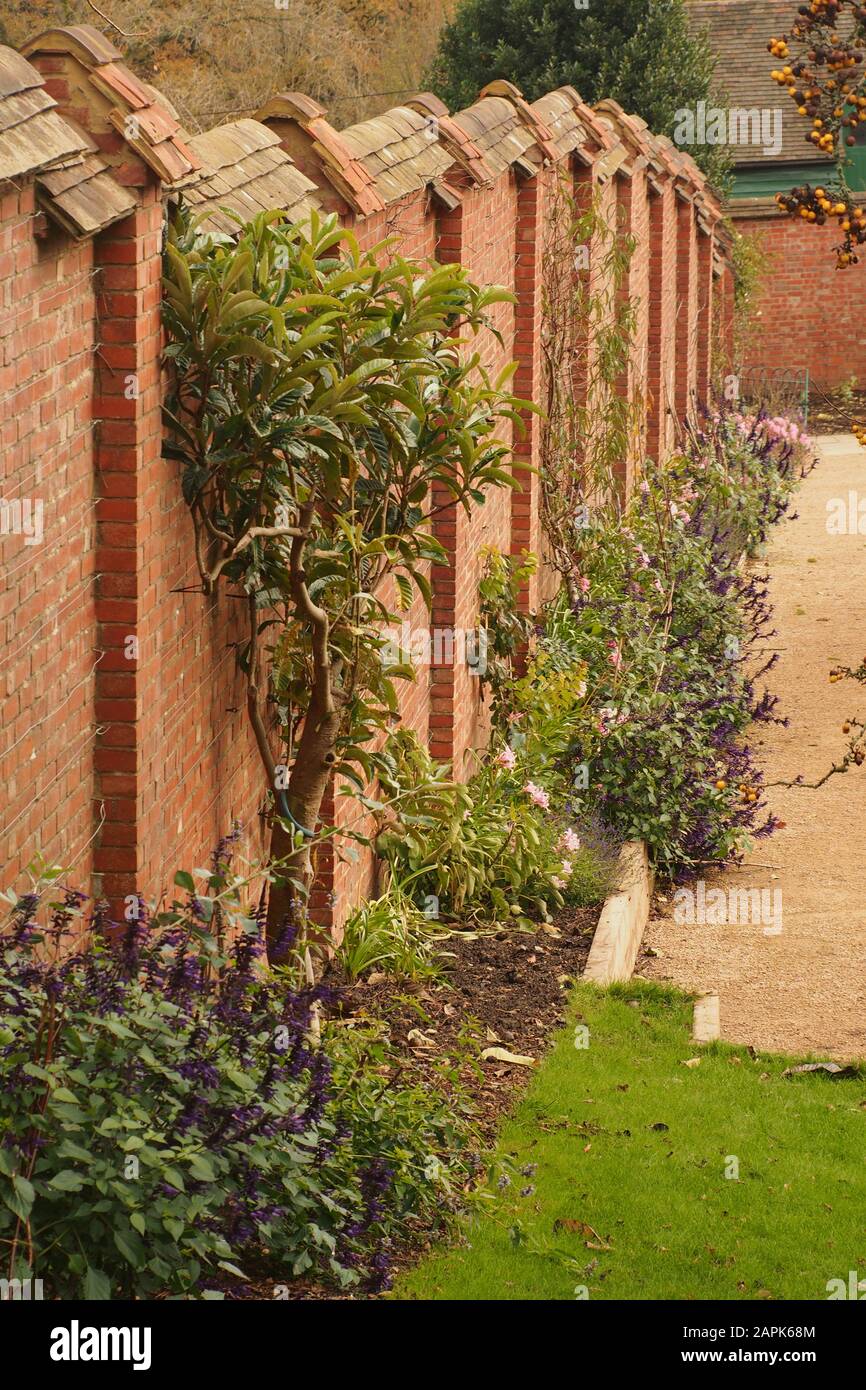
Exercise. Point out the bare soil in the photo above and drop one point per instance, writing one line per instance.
(504, 990)
(833, 412)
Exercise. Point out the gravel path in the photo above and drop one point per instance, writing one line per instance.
(802, 989)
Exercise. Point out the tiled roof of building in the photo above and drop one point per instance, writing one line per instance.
(739, 31)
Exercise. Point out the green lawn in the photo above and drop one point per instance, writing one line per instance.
(675, 1225)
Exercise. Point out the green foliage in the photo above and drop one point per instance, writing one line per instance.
(667, 633)
(751, 265)
(390, 933)
(643, 55)
(590, 425)
(507, 628)
(663, 1214)
(492, 848)
(166, 1115)
(323, 405)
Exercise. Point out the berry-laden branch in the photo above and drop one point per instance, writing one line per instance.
(855, 752)
(824, 76)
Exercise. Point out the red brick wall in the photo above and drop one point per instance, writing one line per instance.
(804, 293)
(48, 712)
(127, 750)
(686, 363)
(662, 295)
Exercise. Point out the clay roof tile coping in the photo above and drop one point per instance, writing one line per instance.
(428, 103)
(120, 82)
(85, 43)
(529, 117)
(290, 106)
(455, 139)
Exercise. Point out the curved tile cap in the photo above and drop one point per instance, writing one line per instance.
(136, 111)
(72, 183)
(328, 150)
(528, 114)
(494, 126)
(462, 149)
(560, 113)
(400, 150)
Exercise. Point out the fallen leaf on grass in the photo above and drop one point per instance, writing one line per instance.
(420, 1039)
(692, 1062)
(501, 1054)
(831, 1068)
(581, 1228)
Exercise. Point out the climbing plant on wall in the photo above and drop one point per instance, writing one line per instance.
(590, 423)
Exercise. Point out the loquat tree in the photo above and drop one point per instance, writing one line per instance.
(324, 407)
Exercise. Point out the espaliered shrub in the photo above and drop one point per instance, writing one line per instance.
(169, 1126)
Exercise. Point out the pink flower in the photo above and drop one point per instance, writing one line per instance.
(507, 758)
(537, 795)
(615, 654)
(584, 584)
(605, 716)
(567, 867)
(557, 883)
(570, 841)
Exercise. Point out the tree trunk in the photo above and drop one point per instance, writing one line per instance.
(287, 902)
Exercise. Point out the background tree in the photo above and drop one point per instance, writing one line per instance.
(217, 59)
(644, 55)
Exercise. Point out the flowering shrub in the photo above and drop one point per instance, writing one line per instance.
(499, 846)
(744, 470)
(167, 1125)
(666, 632)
